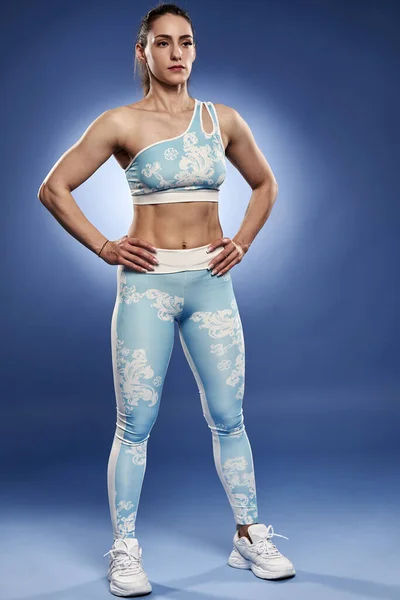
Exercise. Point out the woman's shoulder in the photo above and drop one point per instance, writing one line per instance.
(226, 114)
(123, 110)
(121, 116)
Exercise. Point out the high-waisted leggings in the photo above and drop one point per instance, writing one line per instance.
(180, 289)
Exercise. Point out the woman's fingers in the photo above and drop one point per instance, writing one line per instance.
(138, 257)
(230, 254)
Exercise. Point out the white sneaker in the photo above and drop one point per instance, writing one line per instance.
(125, 572)
(260, 555)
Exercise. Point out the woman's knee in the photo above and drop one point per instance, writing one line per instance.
(132, 430)
(226, 422)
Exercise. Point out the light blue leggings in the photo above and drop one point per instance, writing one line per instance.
(142, 336)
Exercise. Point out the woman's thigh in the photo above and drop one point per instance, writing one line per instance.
(142, 338)
(212, 338)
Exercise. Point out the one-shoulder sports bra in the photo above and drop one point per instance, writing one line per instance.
(186, 168)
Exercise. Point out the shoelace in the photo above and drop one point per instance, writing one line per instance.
(126, 562)
(266, 546)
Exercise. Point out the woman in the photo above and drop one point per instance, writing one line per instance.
(173, 265)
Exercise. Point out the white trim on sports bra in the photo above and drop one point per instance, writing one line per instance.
(183, 195)
(211, 117)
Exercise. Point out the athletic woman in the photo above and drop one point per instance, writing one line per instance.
(174, 265)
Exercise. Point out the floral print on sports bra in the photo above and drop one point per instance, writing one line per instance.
(194, 160)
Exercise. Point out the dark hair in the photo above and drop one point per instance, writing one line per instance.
(145, 26)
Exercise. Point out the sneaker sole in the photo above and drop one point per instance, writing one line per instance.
(144, 590)
(238, 561)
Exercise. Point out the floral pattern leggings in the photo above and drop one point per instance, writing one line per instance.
(142, 337)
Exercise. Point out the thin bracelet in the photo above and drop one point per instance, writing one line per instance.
(102, 247)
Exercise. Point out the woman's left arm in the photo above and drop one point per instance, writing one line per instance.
(243, 152)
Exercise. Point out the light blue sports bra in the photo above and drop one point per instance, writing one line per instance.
(185, 168)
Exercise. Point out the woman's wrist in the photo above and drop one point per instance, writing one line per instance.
(245, 246)
(98, 252)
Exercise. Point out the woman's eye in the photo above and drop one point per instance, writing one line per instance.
(190, 43)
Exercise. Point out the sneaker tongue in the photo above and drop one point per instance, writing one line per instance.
(257, 532)
(131, 543)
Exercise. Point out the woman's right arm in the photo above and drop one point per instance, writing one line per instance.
(103, 137)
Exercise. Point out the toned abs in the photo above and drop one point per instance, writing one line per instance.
(178, 225)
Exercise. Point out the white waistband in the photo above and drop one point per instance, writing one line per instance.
(166, 196)
(176, 259)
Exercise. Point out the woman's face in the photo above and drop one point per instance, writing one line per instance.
(170, 43)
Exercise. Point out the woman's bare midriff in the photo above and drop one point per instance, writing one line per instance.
(177, 225)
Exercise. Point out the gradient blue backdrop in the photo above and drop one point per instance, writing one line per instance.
(317, 82)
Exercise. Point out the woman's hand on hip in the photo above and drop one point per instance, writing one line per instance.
(232, 254)
(135, 253)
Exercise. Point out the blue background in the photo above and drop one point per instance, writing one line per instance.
(318, 84)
